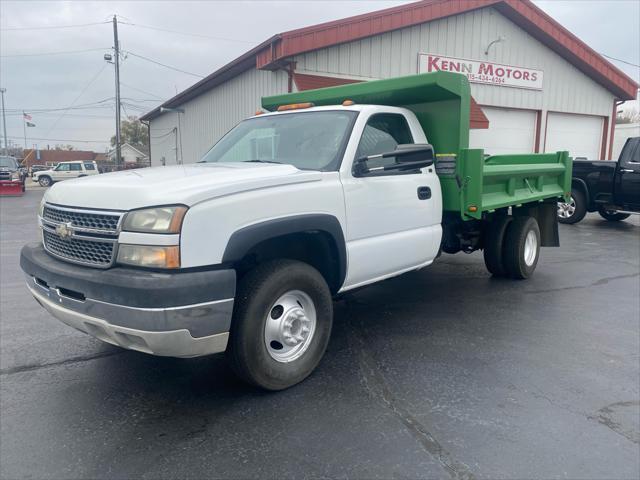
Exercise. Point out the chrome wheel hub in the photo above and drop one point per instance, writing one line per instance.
(566, 210)
(289, 326)
(530, 248)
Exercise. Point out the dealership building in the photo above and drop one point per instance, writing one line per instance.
(535, 86)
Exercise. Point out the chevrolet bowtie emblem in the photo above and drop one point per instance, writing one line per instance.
(64, 230)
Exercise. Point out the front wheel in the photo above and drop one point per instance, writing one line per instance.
(521, 247)
(281, 325)
(612, 215)
(45, 181)
(574, 210)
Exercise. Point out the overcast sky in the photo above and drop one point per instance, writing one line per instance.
(54, 81)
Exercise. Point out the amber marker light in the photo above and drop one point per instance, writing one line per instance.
(472, 208)
(295, 106)
(348, 103)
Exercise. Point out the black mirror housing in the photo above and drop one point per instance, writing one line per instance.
(412, 156)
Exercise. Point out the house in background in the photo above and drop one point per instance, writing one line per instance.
(130, 155)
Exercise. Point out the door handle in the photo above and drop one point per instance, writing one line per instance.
(424, 193)
(626, 170)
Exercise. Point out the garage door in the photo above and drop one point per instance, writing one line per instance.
(580, 135)
(510, 131)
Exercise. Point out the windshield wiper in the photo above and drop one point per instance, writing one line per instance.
(261, 161)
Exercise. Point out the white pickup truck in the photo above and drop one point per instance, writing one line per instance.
(65, 171)
(244, 250)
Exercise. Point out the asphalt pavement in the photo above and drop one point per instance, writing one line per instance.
(442, 373)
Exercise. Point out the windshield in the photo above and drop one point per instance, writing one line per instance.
(306, 140)
(8, 162)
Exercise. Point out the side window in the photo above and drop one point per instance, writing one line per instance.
(631, 158)
(383, 133)
(63, 167)
(89, 166)
(74, 167)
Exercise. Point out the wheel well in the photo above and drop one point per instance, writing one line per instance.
(316, 248)
(582, 188)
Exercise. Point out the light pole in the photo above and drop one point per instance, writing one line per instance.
(116, 62)
(4, 123)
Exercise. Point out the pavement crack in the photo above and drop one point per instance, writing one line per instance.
(377, 387)
(67, 361)
(597, 283)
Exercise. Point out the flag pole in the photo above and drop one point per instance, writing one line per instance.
(24, 127)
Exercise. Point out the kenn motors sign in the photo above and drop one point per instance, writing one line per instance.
(482, 72)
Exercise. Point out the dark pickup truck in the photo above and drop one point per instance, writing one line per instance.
(610, 188)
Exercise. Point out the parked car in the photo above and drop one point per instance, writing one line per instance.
(244, 250)
(11, 176)
(610, 188)
(65, 171)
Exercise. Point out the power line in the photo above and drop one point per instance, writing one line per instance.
(190, 34)
(162, 64)
(43, 54)
(621, 61)
(51, 27)
(86, 87)
(141, 91)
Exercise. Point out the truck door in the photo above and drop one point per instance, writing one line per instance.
(393, 218)
(627, 177)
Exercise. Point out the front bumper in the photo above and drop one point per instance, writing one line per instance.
(181, 314)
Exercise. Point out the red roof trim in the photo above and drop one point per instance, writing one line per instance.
(522, 12)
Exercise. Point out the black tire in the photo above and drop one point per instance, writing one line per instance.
(44, 181)
(580, 208)
(612, 215)
(493, 245)
(257, 292)
(514, 249)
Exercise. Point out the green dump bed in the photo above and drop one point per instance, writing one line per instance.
(472, 184)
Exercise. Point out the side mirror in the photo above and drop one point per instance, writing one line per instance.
(407, 157)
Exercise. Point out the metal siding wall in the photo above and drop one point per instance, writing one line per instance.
(395, 53)
(208, 117)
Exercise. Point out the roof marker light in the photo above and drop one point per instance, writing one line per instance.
(348, 103)
(295, 106)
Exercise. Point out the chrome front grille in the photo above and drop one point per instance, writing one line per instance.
(80, 219)
(96, 254)
(86, 237)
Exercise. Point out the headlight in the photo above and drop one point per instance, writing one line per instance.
(155, 220)
(149, 256)
(41, 209)
(15, 175)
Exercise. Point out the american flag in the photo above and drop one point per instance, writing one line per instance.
(26, 116)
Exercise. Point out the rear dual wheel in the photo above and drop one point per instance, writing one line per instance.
(512, 247)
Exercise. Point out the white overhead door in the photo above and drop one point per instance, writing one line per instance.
(510, 131)
(580, 135)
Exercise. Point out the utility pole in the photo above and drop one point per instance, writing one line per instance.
(4, 123)
(116, 47)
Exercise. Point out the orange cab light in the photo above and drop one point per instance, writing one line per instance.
(295, 106)
(258, 112)
(348, 103)
(473, 208)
